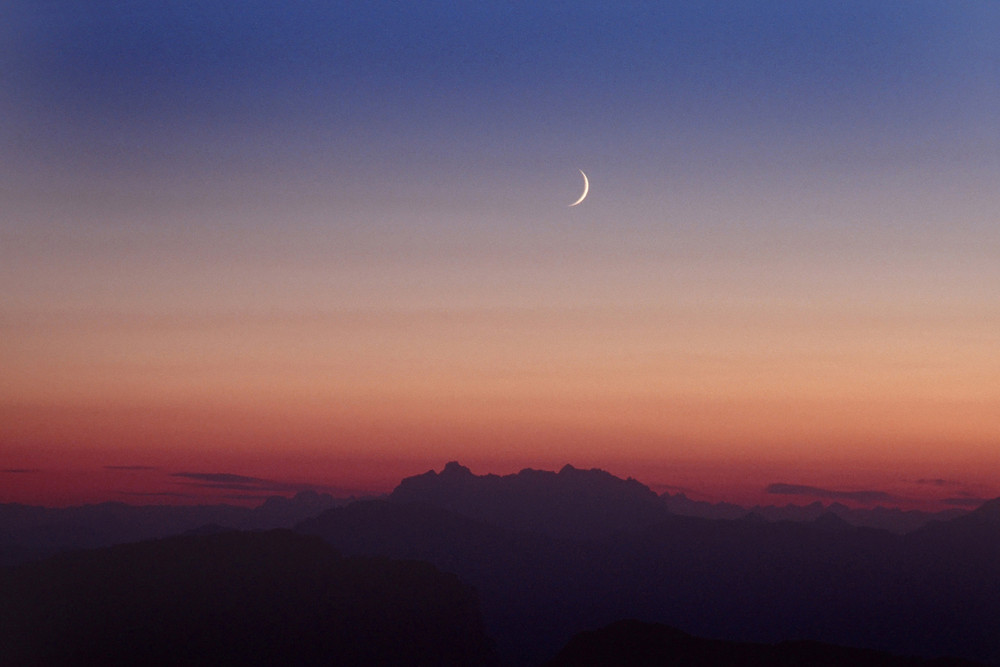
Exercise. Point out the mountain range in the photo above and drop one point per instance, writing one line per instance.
(552, 554)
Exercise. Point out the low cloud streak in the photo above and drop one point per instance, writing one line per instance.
(863, 496)
(971, 503)
(233, 482)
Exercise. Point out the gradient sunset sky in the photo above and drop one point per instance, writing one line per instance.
(328, 244)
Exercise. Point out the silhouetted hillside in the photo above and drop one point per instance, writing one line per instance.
(746, 580)
(635, 644)
(274, 598)
(570, 503)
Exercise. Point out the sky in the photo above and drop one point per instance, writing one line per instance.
(328, 245)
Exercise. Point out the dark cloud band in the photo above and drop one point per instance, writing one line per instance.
(233, 482)
(864, 496)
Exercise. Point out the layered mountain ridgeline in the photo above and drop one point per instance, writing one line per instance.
(747, 579)
(636, 644)
(29, 533)
(267, 598)
(570, 503)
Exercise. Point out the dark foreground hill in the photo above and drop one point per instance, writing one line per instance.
(636, 644)
(529, 584)
(232, 598)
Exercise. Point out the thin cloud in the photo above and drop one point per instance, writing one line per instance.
(157, 494)
(218, 477)
(20, 471)
(131, 468)
(231, 482)
(865, 496)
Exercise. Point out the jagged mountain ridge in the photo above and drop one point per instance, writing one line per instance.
(570, 503)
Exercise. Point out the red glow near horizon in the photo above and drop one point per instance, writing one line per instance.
(85, 475)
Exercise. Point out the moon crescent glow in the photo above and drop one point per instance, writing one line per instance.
(586, 188)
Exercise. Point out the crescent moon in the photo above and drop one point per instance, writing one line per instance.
(586, 189)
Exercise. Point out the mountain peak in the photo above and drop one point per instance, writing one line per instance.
(571, 503)
(989, 510)
(455, 469)
(831, 521)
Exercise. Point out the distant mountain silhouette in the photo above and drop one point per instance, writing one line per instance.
(551, 554)
(984, 521)
(30, 532)
(236, 598)
(570, 503)
(636, 644)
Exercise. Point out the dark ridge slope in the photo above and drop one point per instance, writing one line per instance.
(30, 532)
(236, 598)
(636, 644)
